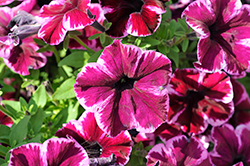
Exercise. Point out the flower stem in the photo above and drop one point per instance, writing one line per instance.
(54, 50)
(81, 42)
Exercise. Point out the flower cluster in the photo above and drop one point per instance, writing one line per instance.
(117, 82)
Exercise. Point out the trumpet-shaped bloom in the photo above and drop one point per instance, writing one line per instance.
(88, 31)
(97, 143)
(19, 55)
(125, 88)
(231, 145)
(179, 151)
(54, 151)
(224, 27)
(198, 99)
(135, 17)
(63, 15)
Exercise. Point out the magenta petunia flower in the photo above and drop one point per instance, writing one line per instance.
(88, 31)
(97, 143)
(54, 151)
(231, 145)
(5, 2)
(125, 88)
(19, 50)
(135, 17)
(224, 27)
(179, 151)
(63, 15)
(241, 103)
(198, 99)
(5, 120)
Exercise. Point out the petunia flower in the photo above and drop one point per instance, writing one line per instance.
(17, 47)
(5, 2)
(96, 142)
(54, 151)
(135, 17)
(241, 103)
(231, 146)
(179, 151)
(64, 16)
(178, 7)
(125, 88)
(5, 120)
(223, 26)
(198, 99)
(88, 31)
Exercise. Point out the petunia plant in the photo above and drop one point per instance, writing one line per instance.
(124, 82)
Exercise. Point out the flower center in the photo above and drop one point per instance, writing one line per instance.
(94, 149)
(238, 159)
(194, 97)
(124, 83)
(134, 5)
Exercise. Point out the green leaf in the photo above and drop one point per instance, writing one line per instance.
(13, 107)
(151, 41)
(94, 36)
(183, 24)
(65, 91)
(72, 111)
(108, 25)
(5, 130)
(184, 45)
(102, 38)
(3, 150)
(66, 43)
(174, 56)
(37, 120)
(23, 104)
(95, 56)
(40, 96)
(19, 131)
(75, 59)
(39, 42)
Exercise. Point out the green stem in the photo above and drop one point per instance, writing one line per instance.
(81, 42)
(56, 54)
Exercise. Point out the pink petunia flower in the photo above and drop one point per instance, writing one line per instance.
(179, 151)
(64, 16)
(231, 145)
(241, 103)
(198, 99)
(224, 27)
(54, 151)
(135, 17)
(17, 47)
(5, 120)
(5, 2)
(125, 88)
(88, 31)
(97, 143)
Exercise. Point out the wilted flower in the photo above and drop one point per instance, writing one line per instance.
(125, 88)
(64, 16)
(198, 99)
(231, 145)
(16, 47)
(54, 151)
(97, 143)
(135, 17)
(224, 34)
(179, 151)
